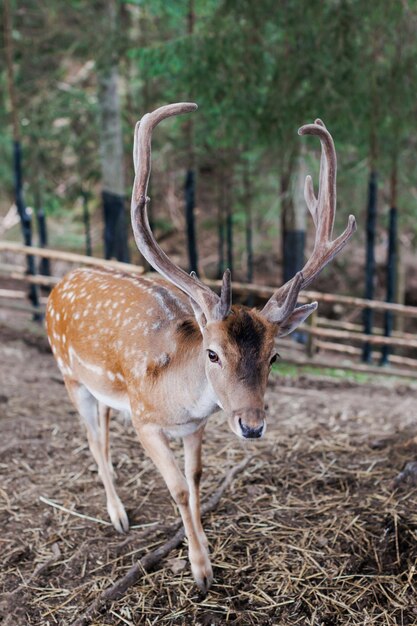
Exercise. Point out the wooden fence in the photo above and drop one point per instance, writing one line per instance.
(335, 336)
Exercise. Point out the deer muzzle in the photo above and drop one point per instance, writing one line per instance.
(249, 423)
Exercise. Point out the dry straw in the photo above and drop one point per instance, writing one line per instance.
(311, 532)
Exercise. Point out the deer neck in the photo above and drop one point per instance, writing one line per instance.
(195, 396)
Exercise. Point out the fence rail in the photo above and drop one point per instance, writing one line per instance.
(71, 257)
(324, 335)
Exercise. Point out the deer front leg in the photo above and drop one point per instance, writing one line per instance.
(193, 471)
(156, 446)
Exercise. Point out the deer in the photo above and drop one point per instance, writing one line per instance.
(171, 351)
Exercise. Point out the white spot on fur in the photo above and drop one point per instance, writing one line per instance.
(162, 360)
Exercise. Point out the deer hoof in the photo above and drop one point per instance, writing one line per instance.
(203, 576)
(118, 516)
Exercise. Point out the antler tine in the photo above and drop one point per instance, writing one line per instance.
(323, 210)
(225, 296)
(209, 302)
(280, 313)
(326, 201)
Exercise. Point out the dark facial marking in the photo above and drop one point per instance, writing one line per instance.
(248, 333)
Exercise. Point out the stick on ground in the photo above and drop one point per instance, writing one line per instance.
(150, 560)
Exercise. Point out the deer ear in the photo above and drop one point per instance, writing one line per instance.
(296, 318)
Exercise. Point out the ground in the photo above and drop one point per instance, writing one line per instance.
(312, 532)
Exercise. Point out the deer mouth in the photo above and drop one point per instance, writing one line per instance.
(248, 423)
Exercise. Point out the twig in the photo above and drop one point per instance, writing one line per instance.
(150, 560)
(63, 508)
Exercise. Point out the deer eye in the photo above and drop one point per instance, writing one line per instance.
(274, 359)
(214, 358)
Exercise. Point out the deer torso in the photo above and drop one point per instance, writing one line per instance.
(133, 342)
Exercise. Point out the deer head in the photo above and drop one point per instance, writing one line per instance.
(238, 343)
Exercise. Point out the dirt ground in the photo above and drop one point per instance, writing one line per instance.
(312, 532)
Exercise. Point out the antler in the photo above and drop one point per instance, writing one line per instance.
(323, 210)
(213, 306)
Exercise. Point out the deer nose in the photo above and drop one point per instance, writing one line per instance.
(251, 422)
(250, 433)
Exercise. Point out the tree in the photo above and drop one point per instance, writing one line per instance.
(111, 140)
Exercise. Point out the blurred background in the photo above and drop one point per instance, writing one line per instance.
(227, 183)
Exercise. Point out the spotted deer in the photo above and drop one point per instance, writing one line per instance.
(170, 351)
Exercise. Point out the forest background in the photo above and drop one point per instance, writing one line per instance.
(227, 184)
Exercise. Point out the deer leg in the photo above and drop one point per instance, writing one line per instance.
(104, 421)
(87, 406)
(193, 472)
(156, 446)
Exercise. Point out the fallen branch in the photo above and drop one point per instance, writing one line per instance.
(150, 560)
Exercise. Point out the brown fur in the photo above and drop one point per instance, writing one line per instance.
(248, 332)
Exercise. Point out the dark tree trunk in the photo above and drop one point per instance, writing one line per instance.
(111, 143)
(220, 225)
(189, 189)
(248, 229)
(26, 225)
(87, 224)
(229, 228)
(249, 248)
(44, 264)
(189, 186)
(370, 262)
(115, 242)
(25, 218)
(292, 229)
(248, 224)
(391, 280)
(293, 248)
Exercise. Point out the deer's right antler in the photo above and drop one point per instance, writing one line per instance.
(213, 306)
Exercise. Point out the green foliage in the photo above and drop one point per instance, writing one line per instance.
(258, 70)
(294, 371)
